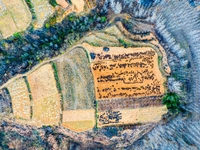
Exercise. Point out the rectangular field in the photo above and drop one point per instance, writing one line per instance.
(131, 116)
(14, 16)
(76, 80)
(79, 120)
(46, 99)
(20, 99)
(126, 73)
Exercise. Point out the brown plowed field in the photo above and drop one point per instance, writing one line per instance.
(126, 73)
(131, 103)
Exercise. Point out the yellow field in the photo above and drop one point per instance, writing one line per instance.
(126, 73)
(20, 99)
(132, 116)
(79, 120)
(46, 99)
(14, 17)
(79, 5)
(62, 3)
(42, 10)
(79, 126)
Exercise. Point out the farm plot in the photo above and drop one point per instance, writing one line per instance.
(126, 73)
(14, 17)
(76, 80)
(42, 10)
(79, 120)
(78, 90)
(45, 96)
(79, 5)
(131, 116)
(21, 103)
(152, 40)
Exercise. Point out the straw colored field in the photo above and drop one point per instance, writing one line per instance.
(42, 10)
(79, 120)
(131, 116)
(108, 37)
(46, 99)
(76, 80)
(126, 73)
(62, 3)
(79, 126)
(20, 98)
(14, 17)
(79, 5)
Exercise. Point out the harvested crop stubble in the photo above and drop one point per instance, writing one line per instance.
(42, 10)
(46, 99)
(79, 5)
(14, 17)
(76, 80)
(20, 98)
(79, 120)
(131, 116)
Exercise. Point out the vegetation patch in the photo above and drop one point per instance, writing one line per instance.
(172, 101)
(31, 8)
(53, 3)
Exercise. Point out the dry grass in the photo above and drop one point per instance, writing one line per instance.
(14, 17)
(46, 99)
(42, 10)
(76, 80)
(79, 120)
(138, 115)
(62, 3)
(79, 126)
(79, 5)
(20, 99)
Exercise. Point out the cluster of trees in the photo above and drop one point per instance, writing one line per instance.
(22, 51)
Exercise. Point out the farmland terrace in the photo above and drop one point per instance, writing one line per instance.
(100, 79)
(84, 87)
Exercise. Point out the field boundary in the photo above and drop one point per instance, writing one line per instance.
(55, 70)
(30, 96)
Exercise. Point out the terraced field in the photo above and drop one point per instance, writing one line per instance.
(130, 116)
(14, 17)
(79, 120)
(42, 10)
(129, 80)
(21, 103)
(108, 79)
(78, 90)
(45, 96)
(76, 80)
